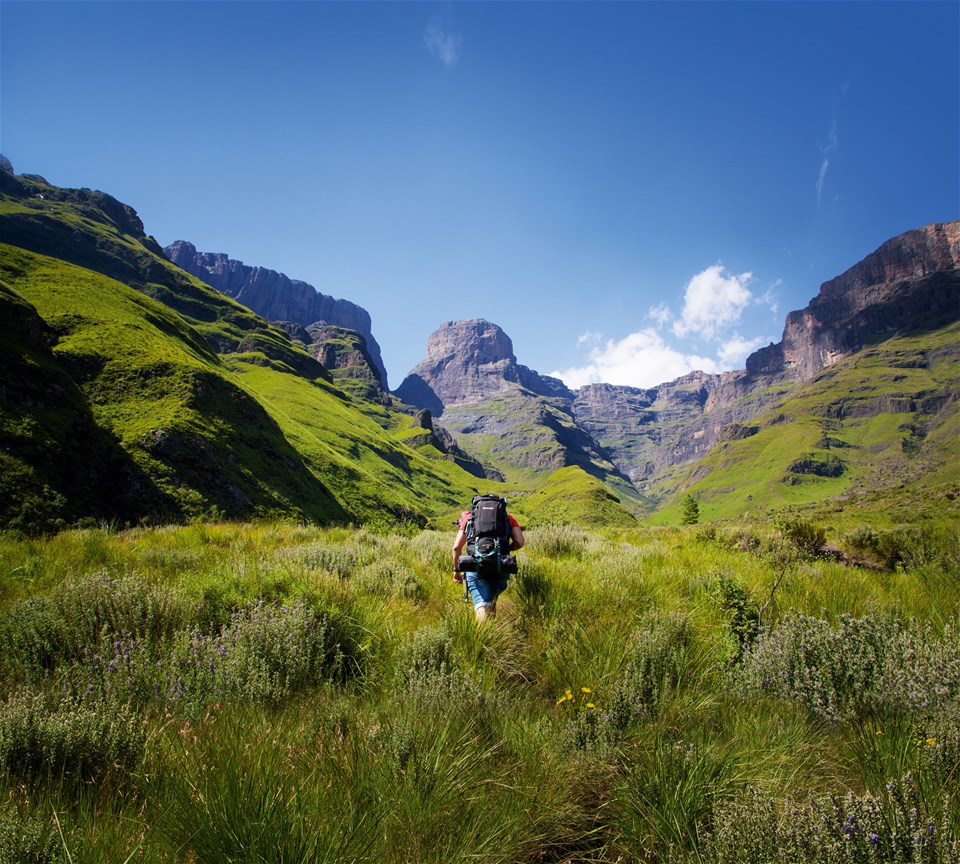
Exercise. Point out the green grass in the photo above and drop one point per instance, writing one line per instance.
(598, 719)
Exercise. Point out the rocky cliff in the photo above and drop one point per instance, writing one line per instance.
(511, 416)
(911, 282)
(471, 377)
(275, 296)
(343, 352)
(468, 362)
(905, 284)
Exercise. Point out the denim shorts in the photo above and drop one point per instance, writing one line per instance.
(484, 590)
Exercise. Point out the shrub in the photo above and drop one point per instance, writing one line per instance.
(655, 660)
(40, 633)
(429, 678)
(855, 669)
(389, 579)
(266, 654)
(320, 557)
(740, 610)
(893, 826)
(40, 735)
(805, 538)
(26, 839)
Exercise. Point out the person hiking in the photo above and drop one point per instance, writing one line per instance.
(485, 581)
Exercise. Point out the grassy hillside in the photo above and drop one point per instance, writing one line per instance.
(876, 432)
(179, 437)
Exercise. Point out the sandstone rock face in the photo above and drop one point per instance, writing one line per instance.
(895, 287)
(468, 362)
(275, 296)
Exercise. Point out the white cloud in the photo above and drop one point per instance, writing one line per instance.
(642, 359)
(822, 178)
(590, 338)
(660, 314)
(713, 301)
(833, 142)
(443, 44)
(733, 353)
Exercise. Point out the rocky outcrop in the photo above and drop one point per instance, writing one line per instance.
(514, 415)
(469, 362)
(344, 354)
(275, 296)
(908, 283)
(442, 441)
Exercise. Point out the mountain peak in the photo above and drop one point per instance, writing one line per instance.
(468, 362)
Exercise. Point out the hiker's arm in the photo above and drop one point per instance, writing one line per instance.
(458, 547)
(516, 537)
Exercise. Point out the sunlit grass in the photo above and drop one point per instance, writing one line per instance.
(597, 719)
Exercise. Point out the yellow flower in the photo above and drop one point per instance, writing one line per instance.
(931, 741)
(569, 693)
(879, 731)
(585, 690)
(591, 705)
(561, 700)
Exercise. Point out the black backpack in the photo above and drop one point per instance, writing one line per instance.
(488, 538)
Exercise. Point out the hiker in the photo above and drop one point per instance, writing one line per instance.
(485, 588)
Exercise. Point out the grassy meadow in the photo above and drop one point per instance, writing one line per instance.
(272, 692)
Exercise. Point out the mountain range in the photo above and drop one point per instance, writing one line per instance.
(144, 384)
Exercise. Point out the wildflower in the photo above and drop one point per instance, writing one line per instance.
(879, 732)
(874, 839)
(591, 705)
(585, 690)
(932, 741)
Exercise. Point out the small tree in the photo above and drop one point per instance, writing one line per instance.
(689, 510)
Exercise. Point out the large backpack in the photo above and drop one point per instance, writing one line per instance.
(488, 537)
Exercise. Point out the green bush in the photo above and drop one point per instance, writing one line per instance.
(266, 654)
(41, 633)
(804, 537)
(741, 612)
(43, 736)
(857, 669)
(389, 579)
(895, 826)
(26, 839)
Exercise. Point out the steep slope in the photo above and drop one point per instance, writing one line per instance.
(275, 296)
(877, 430)
(153, 396)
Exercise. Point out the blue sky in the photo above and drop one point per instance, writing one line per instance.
(631, 190)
